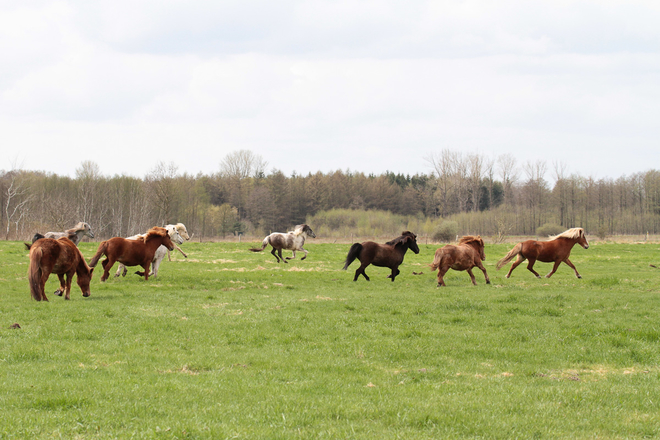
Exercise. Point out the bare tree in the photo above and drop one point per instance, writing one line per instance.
(16, 199)
(161, 182)
(237, 167)
(506, 164)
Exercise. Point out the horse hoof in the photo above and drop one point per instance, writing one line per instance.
(487, 282)
(58, 293)
(580, 276)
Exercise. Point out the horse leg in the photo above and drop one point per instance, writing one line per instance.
(442, 270)
(42, 285)
(146, 270)
(279, 252)
(69, 276)
(294, 255)
(272, 251)
(60, 289)
(474, 280)
(530, 267)
(395, 272)
(107, 265)
(515, 264)
(360, 270)
(305, 254)
(483, 269)
(567, 261)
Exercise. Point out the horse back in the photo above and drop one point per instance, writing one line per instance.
(459, 257)
(382, 255)
(282, 241)
(127, 252)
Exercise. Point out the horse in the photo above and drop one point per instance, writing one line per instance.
(556, 250)
(389, 254)
(177, 234)
(75, 234)
(61, 257)
(292, 240)
(131, 252)
(468, 253)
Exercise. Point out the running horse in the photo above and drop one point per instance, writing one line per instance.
(292, 240)
(556, 250)
(61, 257)
(132, 252)
(467, 254)
(75, 234)
(388, 255)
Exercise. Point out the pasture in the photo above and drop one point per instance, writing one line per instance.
(230, 344)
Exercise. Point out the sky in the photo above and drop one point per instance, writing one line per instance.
(369, 86)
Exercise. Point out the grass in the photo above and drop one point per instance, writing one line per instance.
(229, 344)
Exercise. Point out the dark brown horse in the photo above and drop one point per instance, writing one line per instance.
(556, 250)
(132, 252)
(61, 257)
(468, 253)
(389, 254)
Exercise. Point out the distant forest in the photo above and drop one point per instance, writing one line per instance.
(461, 194)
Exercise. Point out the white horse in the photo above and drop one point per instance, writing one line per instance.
(292, 240)
(178, 233)
(74, 234)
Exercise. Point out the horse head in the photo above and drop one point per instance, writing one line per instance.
(161, 234)
(84, 278)
(582, 239)
(174, 234)
(307, 230)
(408, 238)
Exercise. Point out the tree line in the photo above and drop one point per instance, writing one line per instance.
(491, 196)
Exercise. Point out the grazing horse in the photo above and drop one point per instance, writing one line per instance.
(74, 234)
(468, 253)
(61, 257)
(556, 250)
(177, 234)
(292, 240)
(131, 252)
(389, 254)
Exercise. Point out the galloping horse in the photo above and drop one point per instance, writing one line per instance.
(292, 240)
(177, 234)
(389, 254)
(468, 253)
(74, 234)
(556, 250)
(61, 257)
(131, 252)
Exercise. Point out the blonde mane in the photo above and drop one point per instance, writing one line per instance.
(470, 239)
(572, 234)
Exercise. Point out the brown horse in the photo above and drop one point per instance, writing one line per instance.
(132, 252)
(61, 257)
(468, 253)
(556, 250)
(389, 254)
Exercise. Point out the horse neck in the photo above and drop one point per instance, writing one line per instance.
(82, 266)
(154, 244)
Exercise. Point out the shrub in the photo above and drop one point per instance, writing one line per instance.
(549, 229)
(446, 231)
(602, 232)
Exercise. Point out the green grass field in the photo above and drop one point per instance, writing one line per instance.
(229, 344)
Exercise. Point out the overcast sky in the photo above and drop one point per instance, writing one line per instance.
(324, 85)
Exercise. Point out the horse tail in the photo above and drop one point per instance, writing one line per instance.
(264, 243)
(35, 272)
(508, 257)
(437, 260)
(353, 253)
(100, 251)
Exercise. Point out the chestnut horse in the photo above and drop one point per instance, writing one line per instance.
(132, 252)
(389, 254)
(468, 253)
(61, 257)
(556, 250)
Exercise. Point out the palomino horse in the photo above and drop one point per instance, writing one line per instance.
(177, 234)
(468, 253)
(292, 240)
(131, 252)
(556, 250)
(389, 254)
(74, 234)
(60, 257)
